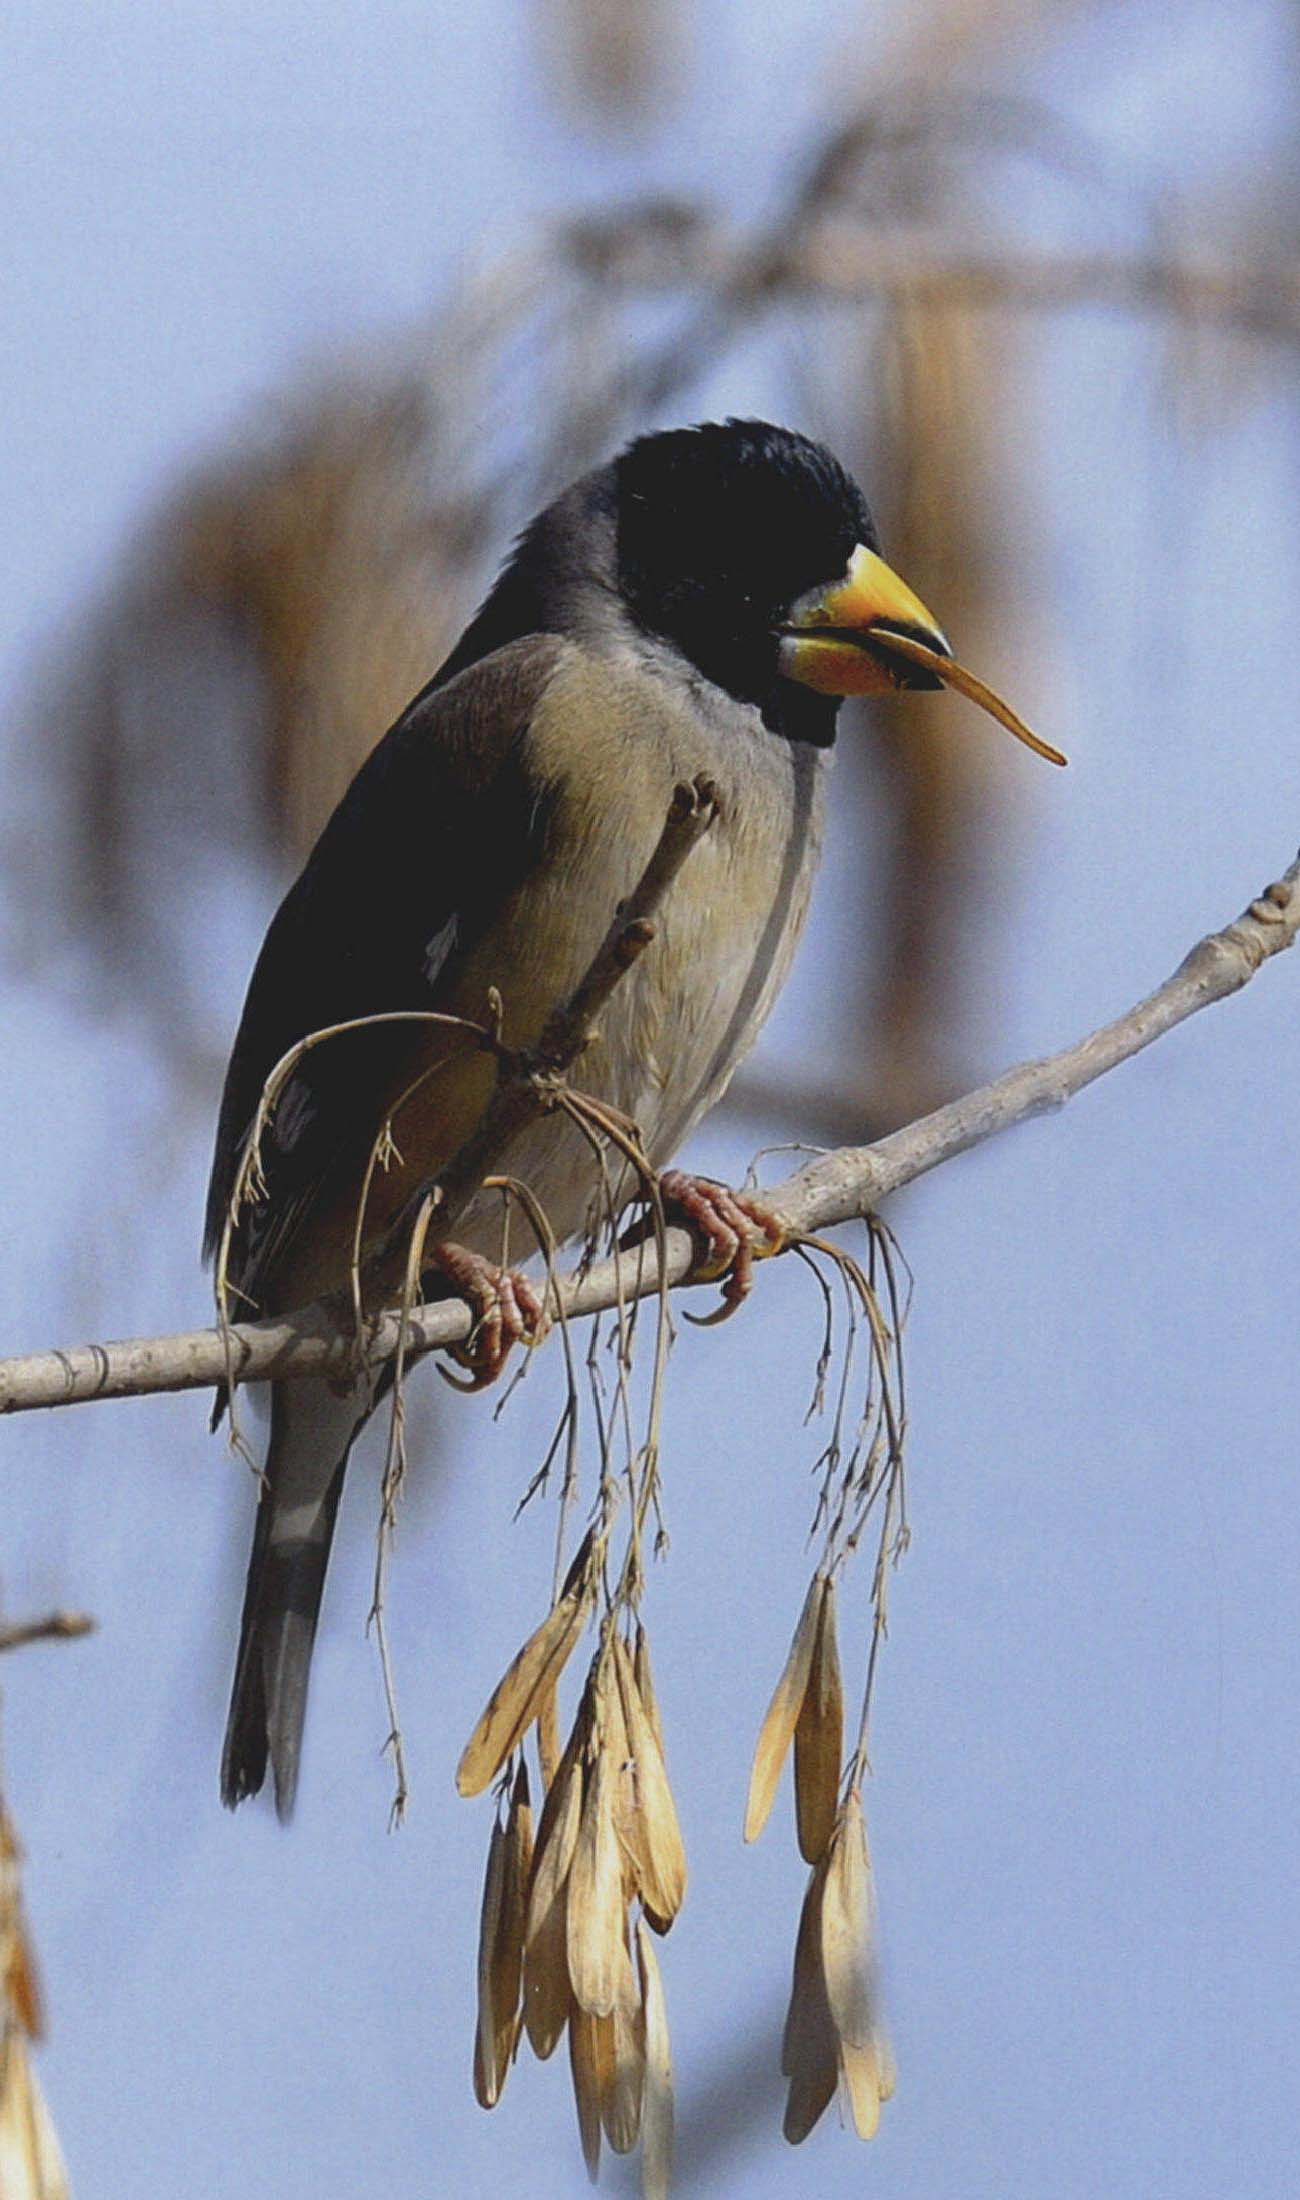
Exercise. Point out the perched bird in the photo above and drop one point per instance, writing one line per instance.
(699, 606)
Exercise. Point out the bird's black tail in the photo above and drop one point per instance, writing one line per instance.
(312, 1431)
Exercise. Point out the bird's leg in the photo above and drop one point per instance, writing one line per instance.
(736, 1229)
(507, 1309)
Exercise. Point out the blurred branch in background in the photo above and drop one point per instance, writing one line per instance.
(618, 60)
(267, 625)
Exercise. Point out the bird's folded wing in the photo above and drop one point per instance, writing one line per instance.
(437, 829)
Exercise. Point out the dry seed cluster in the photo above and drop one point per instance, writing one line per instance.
(31, 2165)
(833, 2031)
(568, 1913)
(565, 1937)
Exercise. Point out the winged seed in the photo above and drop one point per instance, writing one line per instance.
(860, 2078)
(819, 1737)
(657, 2101)
(590, 2046)
(778, 1727)
(809, 2048)
(654, 1834)
(846, 1922)
(620, 2106)
(518, 1696)
(595, 1911)
(547, 1992)
(548, 1734)
(646, 1683)
(508, 1945)
(24, 1985)
(488, 2079)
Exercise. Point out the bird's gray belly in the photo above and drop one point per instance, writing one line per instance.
(688, 1012)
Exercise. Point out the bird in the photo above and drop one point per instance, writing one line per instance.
(696, 609)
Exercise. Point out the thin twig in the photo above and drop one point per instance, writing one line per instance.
(840, 1187)
(53, 1627)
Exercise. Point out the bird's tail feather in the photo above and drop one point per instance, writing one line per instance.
(312, 1432)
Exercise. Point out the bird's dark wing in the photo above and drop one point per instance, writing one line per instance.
(437, 827)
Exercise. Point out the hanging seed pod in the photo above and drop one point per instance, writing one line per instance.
(30, 2156)
(20, 1992)
(620, 2108)
(19, 1984)
(657, 2099)
(861, 2088)
(778, 1727)
(847, 1954)
(646, 1685)
(520, 1693)
(594, 1929)
(809, 2046)
(548, 1993)
(886, 2067)
(489, 2075)
(614, 1739)
(819, 1736)
(507, 1984)
(653, 1833)
(548, 1734)
(591, 2041)
(501, 1944)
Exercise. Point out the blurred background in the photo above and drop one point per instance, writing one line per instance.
(305, 311)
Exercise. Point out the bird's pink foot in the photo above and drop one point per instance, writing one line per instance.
(734, 1228)
(507, 1309)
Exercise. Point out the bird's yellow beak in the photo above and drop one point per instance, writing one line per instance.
(837, 640)
(869, 635)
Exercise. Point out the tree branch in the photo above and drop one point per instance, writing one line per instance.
(837, 256)
(51, 1627)
(840, 1187)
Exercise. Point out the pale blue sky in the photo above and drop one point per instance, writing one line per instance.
(1087, 1784)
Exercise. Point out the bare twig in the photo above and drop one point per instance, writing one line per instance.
(840, 1187)
(52, 1627)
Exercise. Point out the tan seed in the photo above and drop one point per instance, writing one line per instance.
(657, 2101)
(590, 2053)
(654, 1832)
(595, 1910)
(29, 2149)
(819, 1737)
(548, 1734)
(846, 1931)
(860, 2075)
(621, 2104)
(547, 1991)
(488, 2078)
(646, 1684)
(518, 1696)
(778, 1727)
(508, 1948)
(23, 1986)
(809, 2047)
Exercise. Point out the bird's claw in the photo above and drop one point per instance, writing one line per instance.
(507, 1308)
(735, 1228)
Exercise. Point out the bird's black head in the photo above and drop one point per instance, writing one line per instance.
(747, 548)
(721, 531)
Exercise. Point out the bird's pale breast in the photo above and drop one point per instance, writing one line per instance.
(608, 744)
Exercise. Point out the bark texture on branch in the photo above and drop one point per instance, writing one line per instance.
(839, 1187)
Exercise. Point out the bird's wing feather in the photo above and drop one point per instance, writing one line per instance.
(431, 836)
